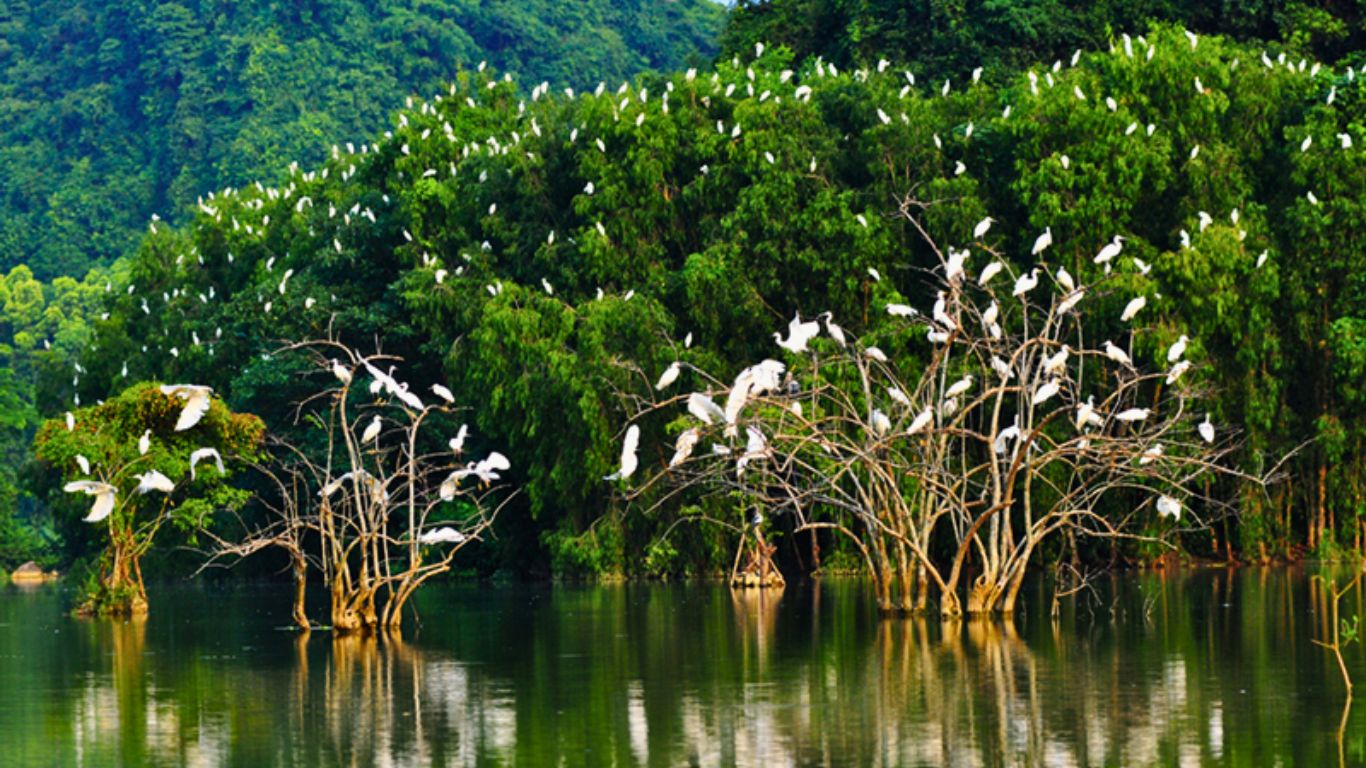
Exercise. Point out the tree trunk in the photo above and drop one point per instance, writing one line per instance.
(120, 591)
(300, 567)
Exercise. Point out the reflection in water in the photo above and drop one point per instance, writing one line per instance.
(1156, 669)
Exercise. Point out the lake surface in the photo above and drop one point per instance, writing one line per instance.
(1183, 668)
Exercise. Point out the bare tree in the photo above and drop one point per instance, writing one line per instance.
(386, 509)
(948, 468)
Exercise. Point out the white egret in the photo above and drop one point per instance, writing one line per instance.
(989, 316)
(1001, 368)
(443, 393)
(371, 430)
(1206, 430)
(1055, 363)
(70, 421)
(1042, 242)
(1045, 392)
(876, 354)
(798, 334)
(1118, 355)
(683, 446)
(1168, 507)
(953, 268)
(628, 454)
(83, 463)
(980, 230)
(202, 454)
(921, 421)
(881, 424)
(104, 494)
(1011, 432)
(145, 442)
(1065, 280)
(1026, 282)
(1133, 414)
(152, 480)
(901, 310)
(669, 376)
(197, 399)
(1133, 308)
(342, 373)
(900, 397)
(1153, 453)
(940, 315)
(1087, 416)
(1177, 371)
(990, 271)
(457, 443)
(1177, 349)
(756, 447)
(442, 535)
(836, 332)
(705, 409)
(959, 387)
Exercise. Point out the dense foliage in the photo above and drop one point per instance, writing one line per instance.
(111, 112)
(717, 204)
(940, 39)
(520, 243)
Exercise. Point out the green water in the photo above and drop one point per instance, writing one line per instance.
(1197, 668)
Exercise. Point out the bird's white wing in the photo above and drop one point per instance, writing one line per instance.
(104, 505)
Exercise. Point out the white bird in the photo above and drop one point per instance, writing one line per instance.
(1118, 355)
(983, 226)
(1152, 454)
(342, 373)
(798, 334)
(876, 354)
(1177, 349)
(1087, 416)
(145, 442)
(901, 310)
(1001, 368)
(1110, 250)
(940, 315)
(1308, 142)
(371, 430)
(1133, 308)
(1206, 430)
(990, 271)
(705, 409)
(921, 421)
(83, 463)
(70, 421)
(1261, 259)
(443, 535)
(896, 394)
(1045, 392)
(989, 316)
(152, 480)
(1026, 282)
(1054, 364)
(1133, 414)
(457, 443)
(881, 424)
(1011, 432)
(443, 393)
(486, 471)
(104, 494)
(1065, 280)
(197, 399)
(959, 387)
(628, 454)
(1071, 300)
(683, 446)
(1177, 371)
(1042, 242)
(669, 376)
(836, 332)
(202, 454)
(953, 268)
(756, 447)
(1168, 507)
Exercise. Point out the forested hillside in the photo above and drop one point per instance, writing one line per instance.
(111, 112)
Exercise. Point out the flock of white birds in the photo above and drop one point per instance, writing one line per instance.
(424, 130)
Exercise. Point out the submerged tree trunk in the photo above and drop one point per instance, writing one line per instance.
(300, 568)
(119, 590)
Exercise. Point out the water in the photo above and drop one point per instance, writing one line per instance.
(1193, 668)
